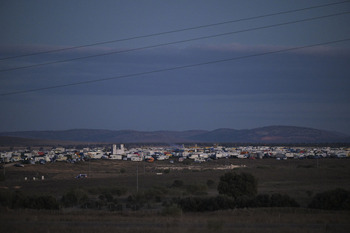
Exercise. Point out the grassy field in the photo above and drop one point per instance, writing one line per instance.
(239, 220)
(300, 179)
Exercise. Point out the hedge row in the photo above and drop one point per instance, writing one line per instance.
(221, 202)
(17, 200)
(337, 199)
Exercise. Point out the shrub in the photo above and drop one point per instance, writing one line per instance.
(177, 184)
(106, 196)
(74, 197)
(263, 200)
(199, 204)
(210, 183)
(5, 198)
(279, 200)
(43, 202)
(186, 162)
(17, 200)
(190, 204)
(237, 185)
(166, 171)
(245, 201)
(275, 200)
(224, 202)
(114, 207)
(196, 189)
(172, 210)
(2, 177)
(337, 199)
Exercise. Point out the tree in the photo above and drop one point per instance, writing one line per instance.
(238, 185)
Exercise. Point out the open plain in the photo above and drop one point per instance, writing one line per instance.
(299, 179)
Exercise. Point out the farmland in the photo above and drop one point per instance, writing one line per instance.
(299, 179)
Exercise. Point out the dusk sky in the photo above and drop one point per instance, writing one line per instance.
(236, 80)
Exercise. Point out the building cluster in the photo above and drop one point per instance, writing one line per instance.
(180, 154)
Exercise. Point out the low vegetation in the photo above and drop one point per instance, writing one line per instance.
(235, 191)
(18, 200)
(337, 199)
(178, 201)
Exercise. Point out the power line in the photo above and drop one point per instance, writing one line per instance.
(174, 31)
(174, 42)
(174, 68)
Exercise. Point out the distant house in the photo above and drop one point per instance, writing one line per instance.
(117, 157)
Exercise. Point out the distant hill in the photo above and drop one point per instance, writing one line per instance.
(273, 134)
(270, 134)
(6, 141)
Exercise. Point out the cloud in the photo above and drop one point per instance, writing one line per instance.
(265, 48)
(275, 73)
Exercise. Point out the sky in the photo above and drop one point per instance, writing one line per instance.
(260, 63)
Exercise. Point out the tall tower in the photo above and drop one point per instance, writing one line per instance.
(114, 150)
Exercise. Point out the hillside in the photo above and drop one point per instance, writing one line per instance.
(7, 141)
(270, 134)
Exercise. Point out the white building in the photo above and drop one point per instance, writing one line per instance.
(116, 151)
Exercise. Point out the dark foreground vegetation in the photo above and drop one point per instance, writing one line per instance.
(236, 191)
(261, 196)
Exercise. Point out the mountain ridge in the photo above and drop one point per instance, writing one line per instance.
(267, 134)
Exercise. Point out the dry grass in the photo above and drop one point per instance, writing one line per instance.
(300, 179)
(242, 220)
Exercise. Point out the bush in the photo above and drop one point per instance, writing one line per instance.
(275, 200)
(198, 204)
(43, 202)
(74, 197)
(279, 200)
(245, 201)
(177, 184)
(2, 177)
(263, 200)
(166, 171)
(196, 189)
(106, 196)
(237, 185)
(337, 199)
(172, 210)
(5, 198)
(191, 204)
(114, 207)
(186, 162)
(17, 199)
(210, 183)
(223, 202)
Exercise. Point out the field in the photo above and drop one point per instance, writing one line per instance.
(300, 179)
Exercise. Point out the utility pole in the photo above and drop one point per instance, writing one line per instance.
(89, 167)
(137, 177)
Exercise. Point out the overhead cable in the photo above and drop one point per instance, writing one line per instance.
(174, 68)
(174, 42)
(174, 31)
